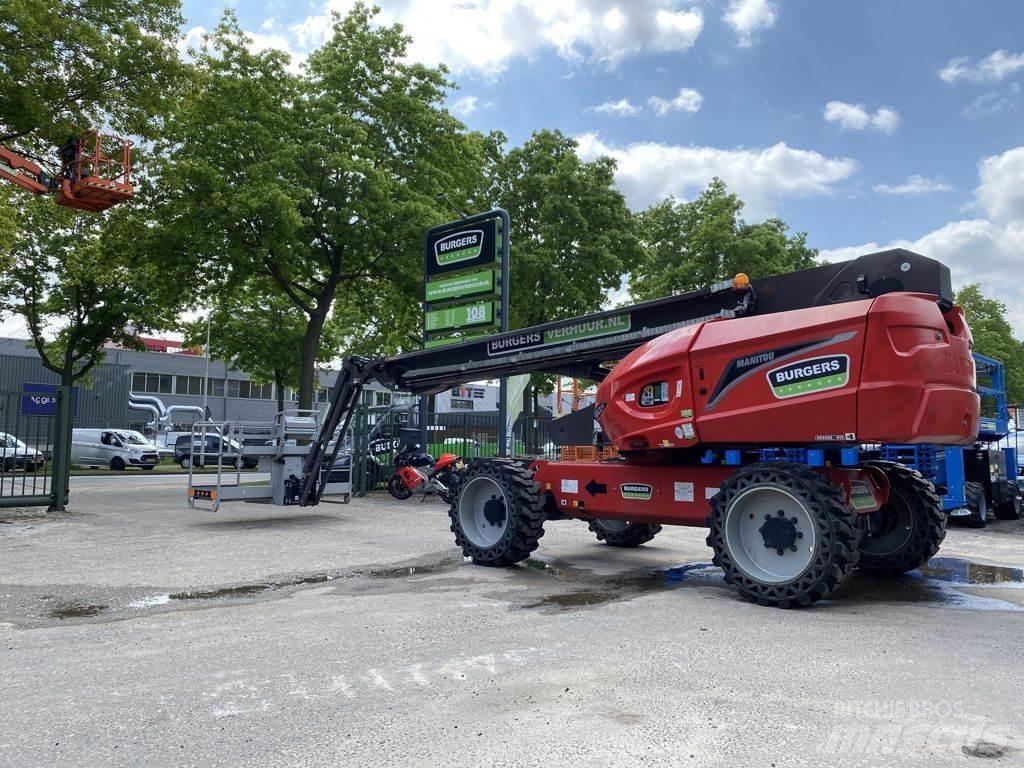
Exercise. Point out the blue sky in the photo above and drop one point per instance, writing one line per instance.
(864, 123)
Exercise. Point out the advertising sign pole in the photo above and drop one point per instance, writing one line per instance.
(450, 251)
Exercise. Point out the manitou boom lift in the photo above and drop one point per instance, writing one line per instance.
(740, 406)
(95, 172)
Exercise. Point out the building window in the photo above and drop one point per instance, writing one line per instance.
(461, 405)
(250, 390)
(381, 398)
(216, 387)
(159, 383)
(188, 385)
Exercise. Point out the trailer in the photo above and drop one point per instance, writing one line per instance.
(740, 407)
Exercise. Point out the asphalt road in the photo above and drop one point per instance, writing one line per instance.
(137, 633)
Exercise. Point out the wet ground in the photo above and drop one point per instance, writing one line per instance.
(137, 633)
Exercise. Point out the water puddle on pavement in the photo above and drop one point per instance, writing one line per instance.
(943, 582)
(77, 611)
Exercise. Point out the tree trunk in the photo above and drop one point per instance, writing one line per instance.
(307, 360)
(279, 388)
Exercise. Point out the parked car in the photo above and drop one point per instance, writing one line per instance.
(114, 448)
(15, 454)
(188, 451)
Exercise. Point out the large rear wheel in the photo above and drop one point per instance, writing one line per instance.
(907, 531)
(497, 514)
(621, 533)
(783, 535)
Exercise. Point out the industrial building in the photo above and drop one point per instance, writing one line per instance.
(176, 376)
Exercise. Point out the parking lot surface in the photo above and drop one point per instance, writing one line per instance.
(138, 633)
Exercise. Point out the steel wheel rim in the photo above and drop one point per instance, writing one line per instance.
(478, 513)
(613, 526)
(747, 513)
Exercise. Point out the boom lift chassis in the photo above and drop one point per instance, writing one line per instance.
(789, 519)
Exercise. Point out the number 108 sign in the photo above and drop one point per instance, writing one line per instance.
(481, 313)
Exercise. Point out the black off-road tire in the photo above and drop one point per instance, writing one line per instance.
(910, 526)
(1010, 510)
(633, 535)
(977, 502)
(837, 535)
(524, 512)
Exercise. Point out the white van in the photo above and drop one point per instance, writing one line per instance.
(114, 448)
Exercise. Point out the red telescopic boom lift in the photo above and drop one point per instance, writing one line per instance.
(95, 172)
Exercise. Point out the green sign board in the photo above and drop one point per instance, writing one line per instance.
(463, 285)
(446, 340)
(481, 313)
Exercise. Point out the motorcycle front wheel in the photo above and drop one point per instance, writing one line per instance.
(398, 488)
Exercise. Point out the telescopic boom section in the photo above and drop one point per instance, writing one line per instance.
(588, 346)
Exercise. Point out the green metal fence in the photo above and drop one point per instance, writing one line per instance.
(35, 441)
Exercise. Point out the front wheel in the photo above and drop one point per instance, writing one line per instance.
(398, 488)
(185, 462)
(977, 504)
(783, 534)
(117, 463)
(621, 533)
(498, 513)
(907, 531)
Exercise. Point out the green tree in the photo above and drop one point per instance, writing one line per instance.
(572, 235)
(693, 244)
(993, 336)
(238, 335)
(323, 182)
(75, 283)
(67, 64)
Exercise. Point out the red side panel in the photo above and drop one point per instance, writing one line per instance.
(918, 382)
(790, 377)
(640, 493)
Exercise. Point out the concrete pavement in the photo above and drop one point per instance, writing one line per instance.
(137, 633)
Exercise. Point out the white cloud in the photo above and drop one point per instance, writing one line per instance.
(465, 106)
(855, 117)
(192, 39)
(620, 108)
(484, 35)
(914, 185)
(687, 100)
(981, 250)
(993, 102)
(748, 17)
(996, 66)
(648, 172)
(1001, 191)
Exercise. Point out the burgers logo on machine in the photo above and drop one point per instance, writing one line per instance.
(805, 377)
(636, 491)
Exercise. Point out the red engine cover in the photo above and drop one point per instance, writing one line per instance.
(894, 369)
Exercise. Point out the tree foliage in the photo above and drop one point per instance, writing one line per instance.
(258, 330)
(572, 235)
(993, 336)
(693, 244)
(320, 182)
(67, 64)
(73, 280)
